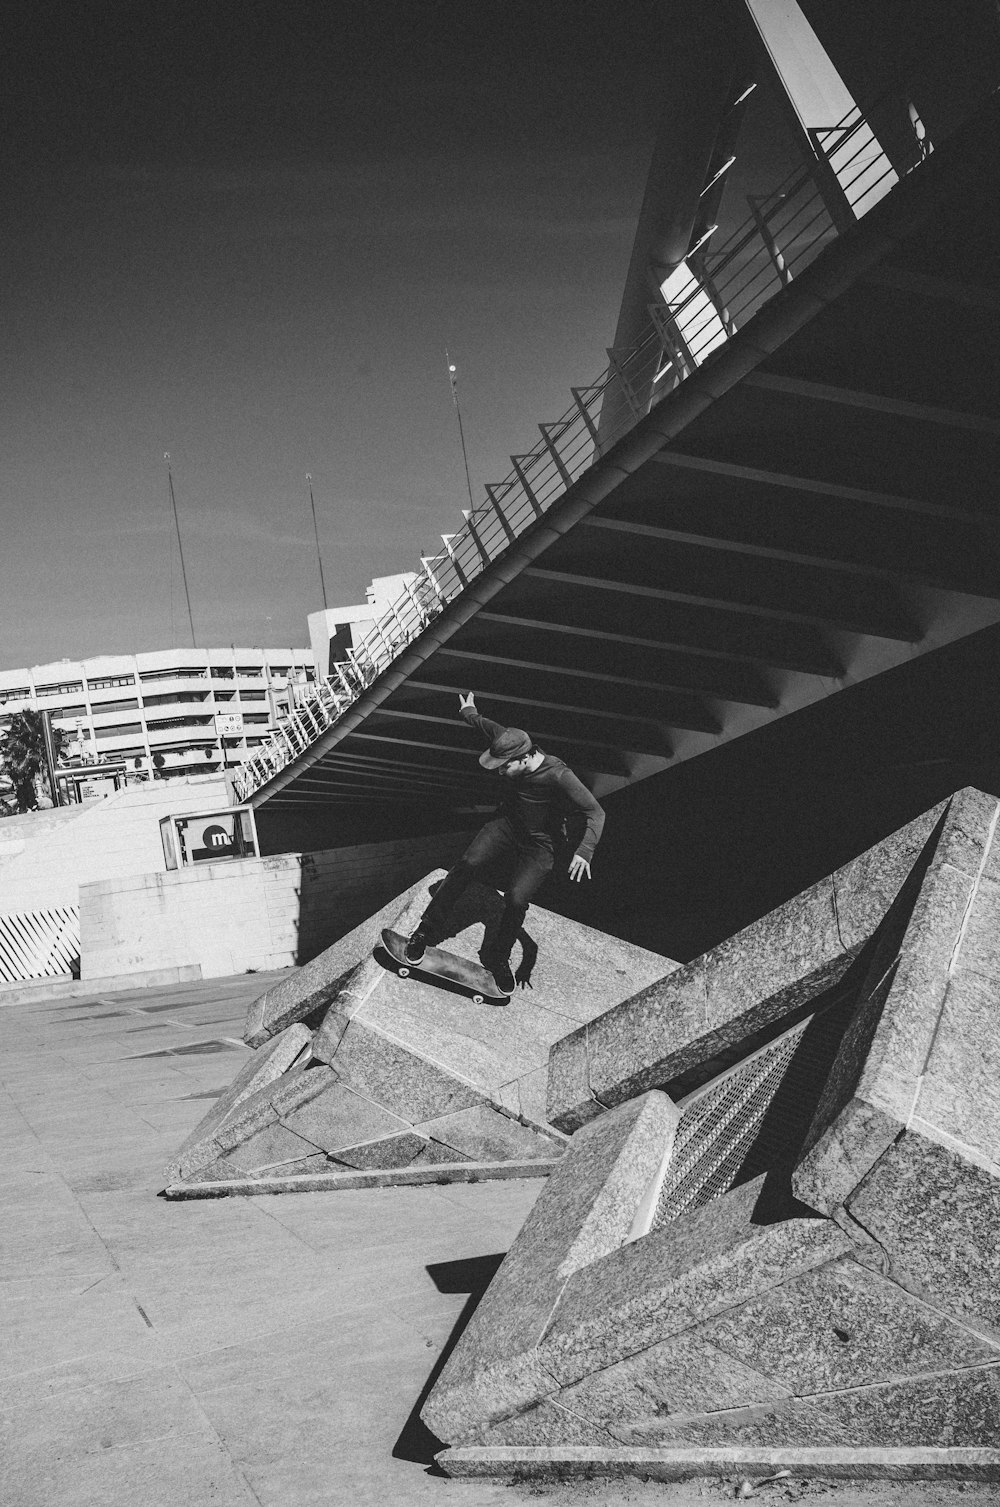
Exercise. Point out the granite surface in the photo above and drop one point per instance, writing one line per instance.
(701, 1264)
(339, 1116)
(400, 1150)
(774, 967)
(485, 1135)
(398, 1054)
(936, 1216)
(585, 1210)
(260, 1070)
(686, 1374)
(313, 985)
(841, 1325)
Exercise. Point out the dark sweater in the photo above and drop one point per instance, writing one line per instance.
(536, 802)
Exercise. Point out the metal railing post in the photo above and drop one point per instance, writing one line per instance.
(550, 443)
(491, 492)
(460, 573)
(474, 534)
(525, 483)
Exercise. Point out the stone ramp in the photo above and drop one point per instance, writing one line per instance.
(782, 1235)
(357, 1071)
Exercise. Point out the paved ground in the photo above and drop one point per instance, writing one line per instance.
(268, 1351)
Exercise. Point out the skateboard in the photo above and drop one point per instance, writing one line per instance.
(441, 968)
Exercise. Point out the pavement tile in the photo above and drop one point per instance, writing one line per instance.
(146, 1344)
(193, 1468)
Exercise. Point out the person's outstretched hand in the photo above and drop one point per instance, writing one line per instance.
(578, 867)
(467, 703)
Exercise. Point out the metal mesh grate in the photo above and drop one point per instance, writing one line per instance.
(751, 1119)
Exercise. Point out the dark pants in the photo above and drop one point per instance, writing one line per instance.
(528, 860)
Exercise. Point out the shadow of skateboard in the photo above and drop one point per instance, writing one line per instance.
(442, 969)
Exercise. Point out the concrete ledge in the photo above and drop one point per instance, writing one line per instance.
(63, 985)
(509, 1462)
(392, 1177)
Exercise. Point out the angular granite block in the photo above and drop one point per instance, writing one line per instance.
(586, 1209)
(272, 1146)
(959, 1092)
(699, 1264)
(391, 1073)
(387, 1151)
(772, 969)
(685, 1374)
(866, 888)
(542, 1424)
(260, 1070)
(960, 1409)
(339, 1117)
(909, 1019)
(484, 1135)
(841, 1325)
(404, 1052)
(627, 1047)
(839, 1056)
(936, 1216)
(310, 987)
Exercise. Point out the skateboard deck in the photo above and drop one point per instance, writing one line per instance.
(441, 968)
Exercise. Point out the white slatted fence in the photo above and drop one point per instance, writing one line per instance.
(40, 944)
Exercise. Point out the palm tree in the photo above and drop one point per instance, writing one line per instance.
(22, 753)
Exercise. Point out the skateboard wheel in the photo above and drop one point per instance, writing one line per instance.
(404, 973)
(477, 999)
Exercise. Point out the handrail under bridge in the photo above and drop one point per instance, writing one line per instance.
(703, 304)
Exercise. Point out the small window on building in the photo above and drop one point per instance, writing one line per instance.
(222, 672)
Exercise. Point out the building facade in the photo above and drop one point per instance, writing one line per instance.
(200, 710)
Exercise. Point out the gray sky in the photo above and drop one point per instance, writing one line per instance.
(244, 233)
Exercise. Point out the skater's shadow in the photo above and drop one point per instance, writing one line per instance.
(481, 905)
(416, 1442)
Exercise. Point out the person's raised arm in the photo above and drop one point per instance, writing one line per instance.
(470, 713)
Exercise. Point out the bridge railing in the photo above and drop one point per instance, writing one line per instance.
(703, 303)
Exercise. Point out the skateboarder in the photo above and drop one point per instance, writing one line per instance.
(522, 834)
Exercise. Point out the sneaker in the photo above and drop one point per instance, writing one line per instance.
(502, 976)
(416, 946)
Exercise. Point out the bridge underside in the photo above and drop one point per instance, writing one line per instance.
(821, 507)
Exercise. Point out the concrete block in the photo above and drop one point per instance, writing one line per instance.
(390, 1073)
(317, 982)
(841, 1325)
(483, 1134)
(587, 1208)
(633, 1399)
(811, 1263)
(339, 1116)
(698, 1265)
(419, 1073)
(260, 1070)
(388, 1151)
(935, 1215)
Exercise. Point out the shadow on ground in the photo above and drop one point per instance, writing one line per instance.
(473, 1275)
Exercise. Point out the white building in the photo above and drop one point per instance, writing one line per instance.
(199, 709)
(335, 630)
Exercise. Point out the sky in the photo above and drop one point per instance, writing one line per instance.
(244, 233)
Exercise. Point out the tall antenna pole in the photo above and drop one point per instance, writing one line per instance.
(453, 379)
(319, 557)
(180, 547)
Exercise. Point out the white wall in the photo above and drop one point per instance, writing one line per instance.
(114, 837)
(246, 913)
